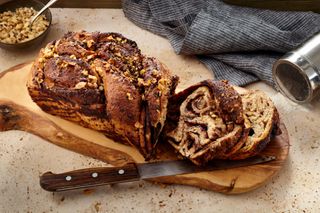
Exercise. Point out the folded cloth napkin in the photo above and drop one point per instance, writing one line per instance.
(239, 44)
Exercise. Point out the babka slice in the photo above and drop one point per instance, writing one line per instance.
(263, 119)
(102, 81)
(206, 121)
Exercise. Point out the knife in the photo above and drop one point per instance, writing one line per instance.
(92, 177)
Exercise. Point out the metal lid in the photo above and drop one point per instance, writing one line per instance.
(296, 77)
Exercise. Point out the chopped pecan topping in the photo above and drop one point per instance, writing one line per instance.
(80, 85)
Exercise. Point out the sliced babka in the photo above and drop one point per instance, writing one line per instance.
(263, 119)
(206, 121)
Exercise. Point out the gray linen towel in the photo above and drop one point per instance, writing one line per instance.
(237, 43)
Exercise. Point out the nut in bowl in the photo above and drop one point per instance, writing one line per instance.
(15, 29)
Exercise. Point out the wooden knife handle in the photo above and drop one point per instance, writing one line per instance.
(85, 178)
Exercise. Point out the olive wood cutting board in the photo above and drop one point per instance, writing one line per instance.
(19, 112)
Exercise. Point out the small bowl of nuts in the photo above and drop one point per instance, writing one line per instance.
(16, 32)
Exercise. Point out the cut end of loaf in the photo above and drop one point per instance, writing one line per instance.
(211, 120)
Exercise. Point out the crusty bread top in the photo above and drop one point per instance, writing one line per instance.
(90, 69)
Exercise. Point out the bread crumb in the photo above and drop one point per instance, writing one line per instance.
(88, 191)
(97, 206)
(59, 134)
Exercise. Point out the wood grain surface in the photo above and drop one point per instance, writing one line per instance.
(19, 112)
(83, 178)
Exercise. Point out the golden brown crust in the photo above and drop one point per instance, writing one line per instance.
(102, 81)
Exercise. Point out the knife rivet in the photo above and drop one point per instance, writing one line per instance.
(121, 172)
(94, 175)
(68, 178)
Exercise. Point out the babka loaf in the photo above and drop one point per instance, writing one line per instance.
(263, 118)
(102, 81)
(211, 120)
(206, 121)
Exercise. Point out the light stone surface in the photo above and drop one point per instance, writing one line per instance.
(23, 157)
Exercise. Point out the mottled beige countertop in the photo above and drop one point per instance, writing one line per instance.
(23, 157)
